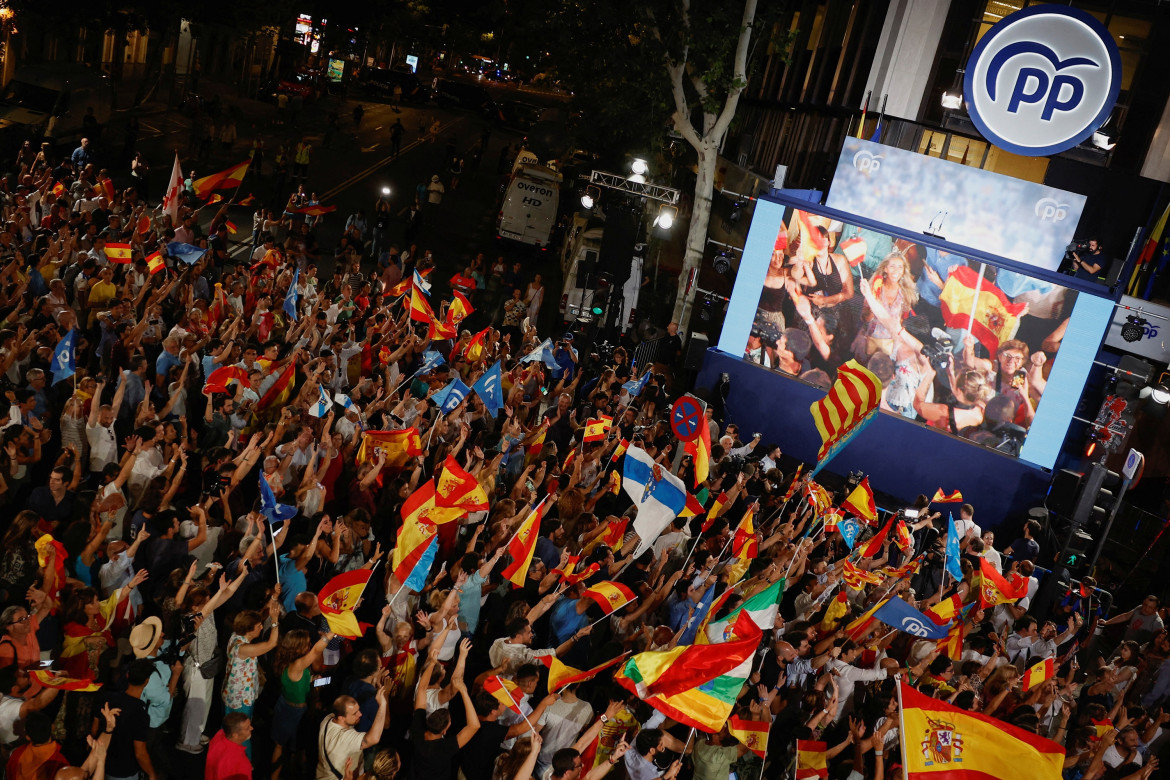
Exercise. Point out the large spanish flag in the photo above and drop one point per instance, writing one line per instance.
(721, 502)
(945, 742)
(397, 446)
(232, 177)
(522, 546)
(50, 679)
(847, 408)
(610, 596)
(595, 430)
(995, 590)
(420, 507)
(420, 310)
(969, 300)
(561, 674)
(458, 488)
(811, 759)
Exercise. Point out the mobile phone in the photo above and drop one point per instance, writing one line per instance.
(322, 681)
(43, 664)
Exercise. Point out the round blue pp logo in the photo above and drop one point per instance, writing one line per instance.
(1042, 80)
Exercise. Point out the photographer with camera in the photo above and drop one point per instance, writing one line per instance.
(1088, 261)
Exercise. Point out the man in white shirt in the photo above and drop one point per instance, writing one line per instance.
(150, 462)
(771, 459)
(1124, 749)
(966, 525)
(989, 552)
(849, 675)
(99, 429)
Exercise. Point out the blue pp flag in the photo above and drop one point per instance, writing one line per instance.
(65, 357)
(290, 298)
(451, 396)
(696, 620)
(418, 575)
(432, 359)
(902, 616)
(487, 387)
(952, 562)
(543, 353)
(849, 528)
(270, 508)
(188, 253)
(877, 133)
(635, 386)
(324, 403)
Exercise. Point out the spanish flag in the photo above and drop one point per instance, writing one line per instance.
(105, 187)
(399, 289)
(248, 201)
(281, 389)
(420, 507)
(857, 627)
(941, 740)
(420, 310)
(119, 253)
(316, 210)
(155, 263)
(339, 598)
(615, 483)
(946, 498)
(533, 443)
(397, 446)
(413, 539)
(836, 610)
(693, 507)
(505, 692)
(458, 488)
(952, 644)
(1038, 673)
(459, 309)
(59, 189)
(944, 611)
(744, 546)
(619, 451)
(612, 537)
(217, 380)
(439, 331)
(561, 674)
(860, 502)
(874, 545)
(902, 537)
(522, 546)
(474, 349)
(991, 317)
(699, 449)
(50, 679)
(610, 596)
(714, 512)
(811, 760)
(232, 177)
(568, 464)
(595, 430)
(752, 733)
(995, 590)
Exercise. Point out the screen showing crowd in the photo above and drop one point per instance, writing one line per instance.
(960, 345)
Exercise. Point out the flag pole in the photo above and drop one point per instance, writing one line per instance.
(690, 738)
(272, 534)
(901, 718)
(603, 617)
(522, 715)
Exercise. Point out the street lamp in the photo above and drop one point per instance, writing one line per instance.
(385, 192)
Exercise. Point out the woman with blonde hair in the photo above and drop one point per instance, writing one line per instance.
(894, 287)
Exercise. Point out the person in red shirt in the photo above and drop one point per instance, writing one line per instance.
(227, 758)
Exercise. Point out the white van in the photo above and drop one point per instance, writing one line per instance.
(529, 212)
(49, 102)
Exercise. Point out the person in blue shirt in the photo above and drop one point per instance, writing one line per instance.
(566, 359)
(294, 563)
(471, 599)
(568, 616)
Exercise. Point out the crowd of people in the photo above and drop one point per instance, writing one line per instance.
(157, 623)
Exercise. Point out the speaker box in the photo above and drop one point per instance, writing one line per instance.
(696, 350)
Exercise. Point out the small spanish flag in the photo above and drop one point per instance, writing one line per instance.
(474, 349)
(156, 263)
(59, 189)
(946, 498)
(522, 546)
(610, 596)
(231, 226)
(572, 456)
(595, 430)
(615, 483)
(420, 310)
(621, 450)
(699, 449)
(339, 598)
(119, 253)
(216, 198)
(458, 488)
(316, 210)
(561, 674)
(505, 692)
(811, 760)
(860, 502)
(693, 507)
(902, 537)
(50, 679)
(248, 201)
(1038, 673)
(752, 733)
(715, 510)
(105, 187)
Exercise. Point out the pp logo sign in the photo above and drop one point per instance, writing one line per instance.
(1051, 209)
(1042, 80)
(867, 162)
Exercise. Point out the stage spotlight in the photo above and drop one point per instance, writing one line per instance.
(722, 262)
(951, 101)
(665, 218)
(639, 167)
(736, 212)
(1134, 328)
(1160, 394)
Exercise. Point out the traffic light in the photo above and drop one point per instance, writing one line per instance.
(1095, 498)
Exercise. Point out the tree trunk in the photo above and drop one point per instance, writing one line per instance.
(708, 153)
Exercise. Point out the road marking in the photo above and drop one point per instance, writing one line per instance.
(327, 195)
(366, 149)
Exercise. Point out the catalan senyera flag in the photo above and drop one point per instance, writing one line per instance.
(944, 741)
(505, 692)
(522, 546)
(281, 389)
(339, 598)
(752, 733)
(857, 578)
(811, 759)
(155, 263)
(860, 502)
(816, 495)
(421, 507)
(954, 497)
(458, 488)
(232, 177)
(952, 644)
(994, 589)
(119, 253)
(459, 309)
(716, 509)
(905, 570)
(397, 446)
(610, 596)
(699, 449)
(561, 674)
(694, 684)
(619, 450)
(850, 405)
(1038, 673)
(413, 539)
(51, 679)
(969, 300)
(595, 430)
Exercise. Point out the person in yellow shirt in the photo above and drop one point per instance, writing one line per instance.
(101, 293)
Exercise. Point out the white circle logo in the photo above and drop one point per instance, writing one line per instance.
(1042, 80)
(915, 627)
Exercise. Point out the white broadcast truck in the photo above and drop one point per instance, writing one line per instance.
(529, 212)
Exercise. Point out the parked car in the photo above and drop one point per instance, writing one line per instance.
(49, 103)
(517, 115)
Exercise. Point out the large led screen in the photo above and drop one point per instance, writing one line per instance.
(967, 347)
